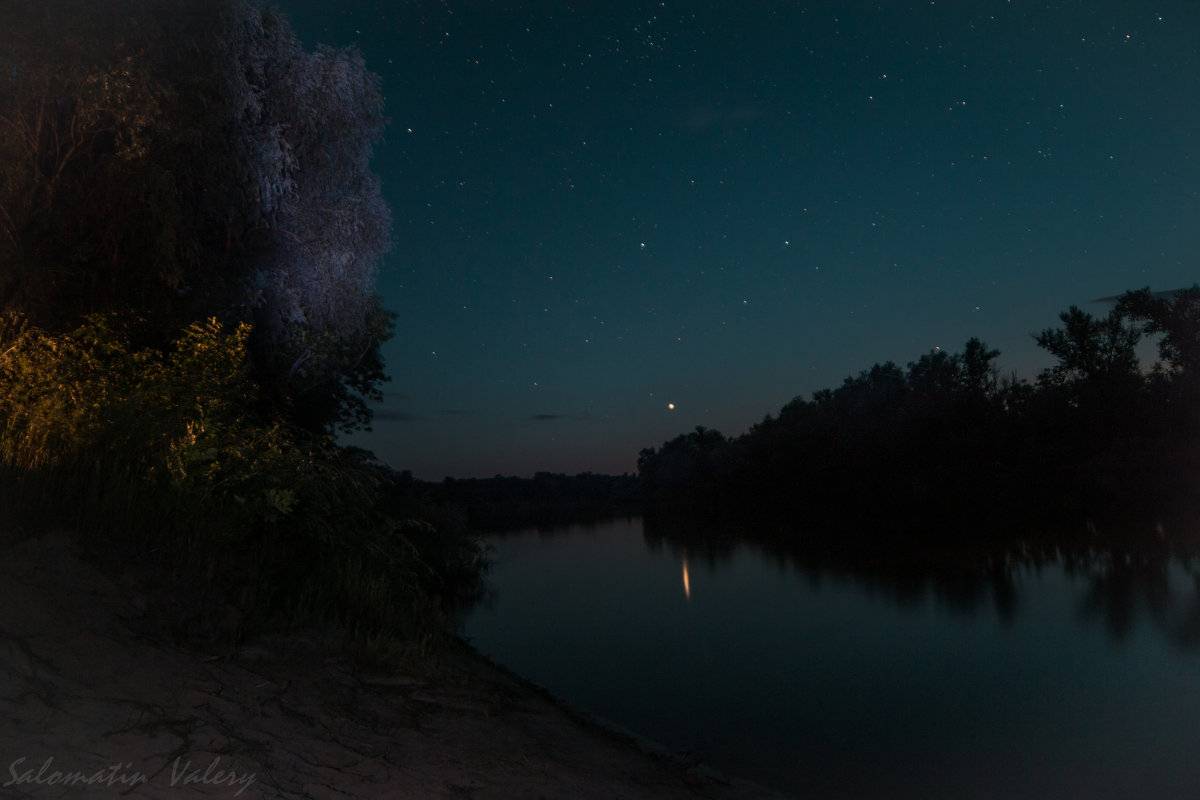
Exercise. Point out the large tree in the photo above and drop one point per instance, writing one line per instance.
(1175, 318)
(1100, 353)
(179, 159)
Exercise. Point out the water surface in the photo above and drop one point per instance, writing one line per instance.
(1018, 681)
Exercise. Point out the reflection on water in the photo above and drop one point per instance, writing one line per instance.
(1163, 591)
(849, 672)
(1148, 578)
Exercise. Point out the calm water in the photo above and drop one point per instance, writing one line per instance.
(1009, 682)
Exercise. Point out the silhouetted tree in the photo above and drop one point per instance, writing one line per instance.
(935, 373)
(1089, 416)
(1176, 318)
(949, 436)
(978, 375)
(689, 465)
(955, 378)
(1099, 352)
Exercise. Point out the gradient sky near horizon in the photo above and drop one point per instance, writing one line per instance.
(617, 221)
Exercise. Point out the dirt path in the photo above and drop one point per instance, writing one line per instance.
(90, 708)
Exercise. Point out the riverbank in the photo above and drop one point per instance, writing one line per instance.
(92, 702)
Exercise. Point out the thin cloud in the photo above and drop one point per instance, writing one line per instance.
(383, 415)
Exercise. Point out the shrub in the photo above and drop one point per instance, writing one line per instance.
(168, 452)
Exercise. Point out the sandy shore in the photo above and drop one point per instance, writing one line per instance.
(91, 707)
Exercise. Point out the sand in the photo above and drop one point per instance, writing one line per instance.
(93, 706)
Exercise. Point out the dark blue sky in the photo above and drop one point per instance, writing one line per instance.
(605, 208)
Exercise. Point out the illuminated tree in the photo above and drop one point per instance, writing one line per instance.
(179, 159)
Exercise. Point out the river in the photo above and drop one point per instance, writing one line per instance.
(1018, 678)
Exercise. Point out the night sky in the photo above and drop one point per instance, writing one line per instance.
(602, 209)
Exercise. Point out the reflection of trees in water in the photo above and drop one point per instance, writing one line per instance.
(1187, 624)
(1161, 586)
(961, 581)
(1128, 576)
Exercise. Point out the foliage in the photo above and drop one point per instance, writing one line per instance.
(166, 161)
(1175, 319)
(948, 436)
(171, 452)
(1091, 351)
(188, 159)
(691, 461)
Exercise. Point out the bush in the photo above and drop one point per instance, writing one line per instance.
(168, 453)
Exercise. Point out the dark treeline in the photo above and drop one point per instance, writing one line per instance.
(947, 436)
(545, 499)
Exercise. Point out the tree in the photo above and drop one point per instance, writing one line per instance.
(1092, 402)
(935, 373)
(979, 376)
(969, 374)
(1175, 316)
(689, 463)
(1091, 352)
(180, 159)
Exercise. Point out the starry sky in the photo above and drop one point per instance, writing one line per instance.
(617, 221)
